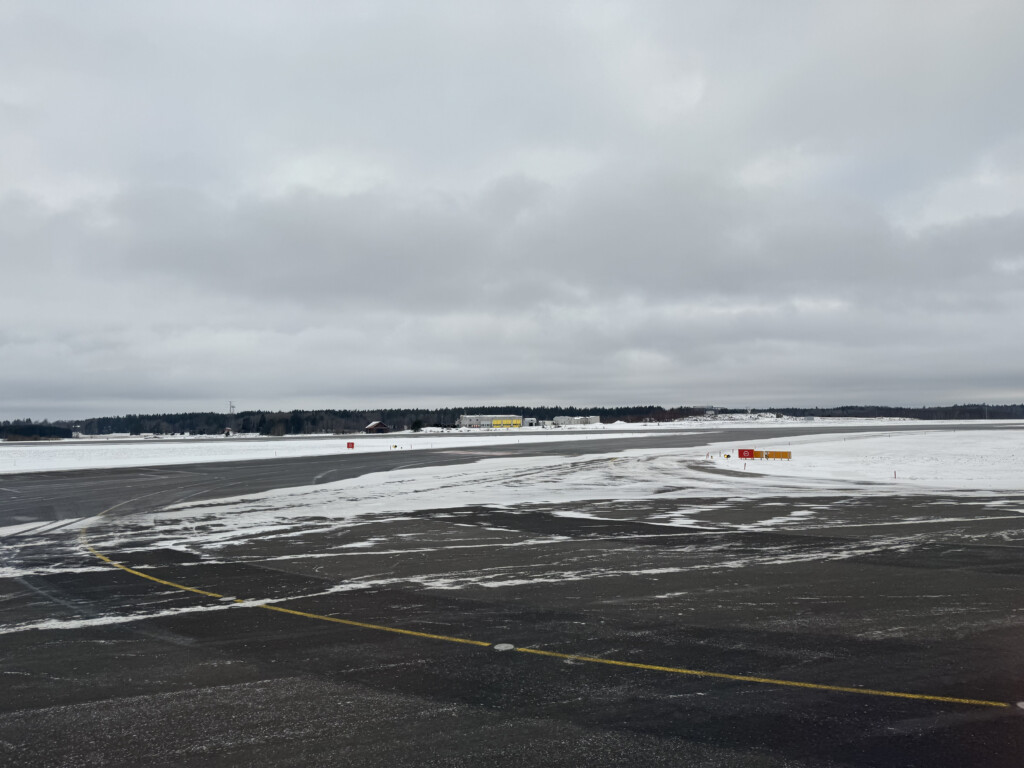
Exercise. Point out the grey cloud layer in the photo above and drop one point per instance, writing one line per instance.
(598, 203)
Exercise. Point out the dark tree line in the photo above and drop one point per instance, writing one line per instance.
(24, 429)
(944, 412)
(347, 421)
(302, 422)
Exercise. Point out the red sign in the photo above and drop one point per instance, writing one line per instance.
(351, 445)
(745, 453)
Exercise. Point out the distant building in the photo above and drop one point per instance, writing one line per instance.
(490, 421)
(377, 428)
(568, 421)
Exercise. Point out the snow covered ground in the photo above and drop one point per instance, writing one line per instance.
(98, 453)
(923, 462)
(373, 530)
(102, 454)
(946, 458)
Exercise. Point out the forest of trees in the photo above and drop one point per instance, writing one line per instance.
(944, 412)
(301, 422)
(348, 421)
(26, 430)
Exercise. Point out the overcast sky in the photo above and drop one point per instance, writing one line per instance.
(364, 204)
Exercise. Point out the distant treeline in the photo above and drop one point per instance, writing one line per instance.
(347, 421)
(942, 412)
(343, 421)
(26, 430)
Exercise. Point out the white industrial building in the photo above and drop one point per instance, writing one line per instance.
(515, 421)
(490, 421)
(570, 421)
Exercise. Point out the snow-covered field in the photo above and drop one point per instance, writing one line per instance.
(103, 454)
(373, 530)
(923, 462)
(98, 453)
(946, 458)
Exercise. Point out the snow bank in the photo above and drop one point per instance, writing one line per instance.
(941, 459)
(926, 462)
(101, 454)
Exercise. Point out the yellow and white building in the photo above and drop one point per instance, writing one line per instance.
(490, 421)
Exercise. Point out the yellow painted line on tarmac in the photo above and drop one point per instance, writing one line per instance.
(166, 583)
(764, 680)
(379, 627)
(85, 542)
(549, 654)
(279, 609)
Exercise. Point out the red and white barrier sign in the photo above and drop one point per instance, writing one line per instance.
(750, 453)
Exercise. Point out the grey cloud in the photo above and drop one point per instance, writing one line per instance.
(365, 205)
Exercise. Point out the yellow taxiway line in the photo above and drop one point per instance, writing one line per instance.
(766, 680)
(551, 654)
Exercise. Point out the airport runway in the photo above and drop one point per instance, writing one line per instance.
(903, 616)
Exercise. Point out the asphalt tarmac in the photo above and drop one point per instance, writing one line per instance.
(888, 633)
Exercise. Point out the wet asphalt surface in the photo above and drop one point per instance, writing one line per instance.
(916, 594)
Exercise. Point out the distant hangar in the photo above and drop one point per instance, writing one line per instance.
(567, 421)
(493, 421)
(514, 421)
